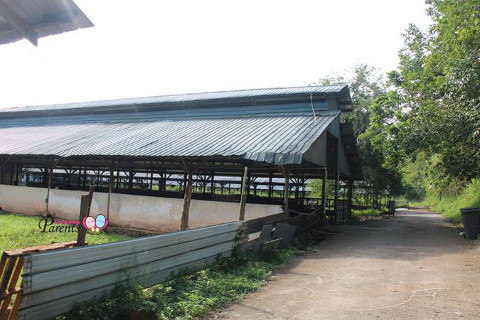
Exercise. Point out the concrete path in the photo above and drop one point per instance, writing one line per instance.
(411, 266)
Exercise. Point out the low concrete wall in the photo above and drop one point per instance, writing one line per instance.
(143, 212)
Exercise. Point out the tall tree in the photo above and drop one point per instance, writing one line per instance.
(366, 85)
(439, 82)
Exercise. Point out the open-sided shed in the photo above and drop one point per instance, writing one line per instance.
(140, 145)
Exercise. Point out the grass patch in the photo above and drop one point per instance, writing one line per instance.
(366, 212)
(189, 296)
(18, 231)
(449, 205)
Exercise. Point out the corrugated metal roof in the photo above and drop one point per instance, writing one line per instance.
(33, 19)
(190, 98)
(279, 138)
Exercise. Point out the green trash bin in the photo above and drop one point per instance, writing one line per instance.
(471, 222)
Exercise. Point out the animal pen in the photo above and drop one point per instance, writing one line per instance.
(168, 163)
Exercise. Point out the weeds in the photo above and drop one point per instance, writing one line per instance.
(449, 205)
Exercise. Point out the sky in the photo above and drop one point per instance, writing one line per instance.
(151, 47)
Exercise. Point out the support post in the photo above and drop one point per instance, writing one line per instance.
(212, 183)
(50, 176)
(51, 166)
(130, 179)
(350, 197)
(2, 168)
(286, 187)
(270, 186)
(243, 197)
(186, 198)
(324, 195)
(335, 203)
(84, 208)
(110, 186)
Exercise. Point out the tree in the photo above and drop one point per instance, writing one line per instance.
(439, 83)
(366, 86)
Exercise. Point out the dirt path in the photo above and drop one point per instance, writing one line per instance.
(412, 266)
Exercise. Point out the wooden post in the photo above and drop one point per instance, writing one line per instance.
(85, 205)
(186, 198)
(286, 188)
(84, 209)
(243, 197)
(50, 177)
(270, 186)
(110, 186)
(350, 197)
(212, 183)
(335, 201)
(324, 195)
(130, 179)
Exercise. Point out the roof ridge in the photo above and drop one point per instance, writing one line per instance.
(187, 97)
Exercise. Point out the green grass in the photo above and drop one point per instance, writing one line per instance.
(189, 296)
(449, 205)
(366, 212)
(18, 231)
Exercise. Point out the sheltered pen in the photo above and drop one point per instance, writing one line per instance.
(160, 162)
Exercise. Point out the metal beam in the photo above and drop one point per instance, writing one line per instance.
(20, 25)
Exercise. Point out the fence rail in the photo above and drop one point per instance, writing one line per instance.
(54, 281)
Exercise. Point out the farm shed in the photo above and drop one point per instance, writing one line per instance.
(147, 157)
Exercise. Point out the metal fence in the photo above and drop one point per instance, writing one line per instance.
(54, 281)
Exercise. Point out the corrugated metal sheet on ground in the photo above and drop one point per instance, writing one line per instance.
(280, 138)
(55, 280)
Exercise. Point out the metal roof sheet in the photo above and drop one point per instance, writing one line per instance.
(33, 19)
(189, 99)
(279, 138)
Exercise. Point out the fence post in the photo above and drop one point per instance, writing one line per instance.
(243, 197)
(84, 209)
(186, 201)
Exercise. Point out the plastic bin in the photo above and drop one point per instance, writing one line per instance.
(471, 222)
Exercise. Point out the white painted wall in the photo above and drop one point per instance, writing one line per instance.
(142, 212)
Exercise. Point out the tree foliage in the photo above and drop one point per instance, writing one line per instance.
(439, 84)
(366, 86)
(428, 123)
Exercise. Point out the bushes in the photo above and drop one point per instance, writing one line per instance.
(450, 205)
